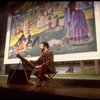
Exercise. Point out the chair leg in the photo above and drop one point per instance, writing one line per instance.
(45, 82)
(50, 76)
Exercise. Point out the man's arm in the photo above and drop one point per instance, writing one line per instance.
(38, 61)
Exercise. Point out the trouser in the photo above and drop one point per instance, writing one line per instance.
(40, 72)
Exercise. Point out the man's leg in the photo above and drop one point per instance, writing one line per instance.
(41, 76)
(36, 73)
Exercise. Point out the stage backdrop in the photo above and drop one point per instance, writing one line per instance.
(71, 35)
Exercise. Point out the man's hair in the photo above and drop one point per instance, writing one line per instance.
(45, 44)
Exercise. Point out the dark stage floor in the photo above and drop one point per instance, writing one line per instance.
(52, 91)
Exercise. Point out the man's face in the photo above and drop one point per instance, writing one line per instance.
(42, 47)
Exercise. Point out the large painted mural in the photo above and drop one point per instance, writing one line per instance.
(68, 27)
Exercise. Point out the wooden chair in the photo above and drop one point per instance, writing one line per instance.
(49, 76)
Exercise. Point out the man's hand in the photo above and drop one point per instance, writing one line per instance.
(38, 67)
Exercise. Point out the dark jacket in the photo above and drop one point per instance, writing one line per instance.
(46, 60)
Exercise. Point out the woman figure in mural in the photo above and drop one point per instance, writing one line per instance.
(49, 23)
(29, 38)
(56, 20)
(76, 24)
(41, 17)
(21, 46)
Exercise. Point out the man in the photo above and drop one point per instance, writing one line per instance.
(44, 64)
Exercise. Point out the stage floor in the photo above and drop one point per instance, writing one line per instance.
(49, 91)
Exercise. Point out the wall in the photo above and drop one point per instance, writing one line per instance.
(5, 8)
(3, 27)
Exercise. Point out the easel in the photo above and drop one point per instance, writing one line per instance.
(13, 73)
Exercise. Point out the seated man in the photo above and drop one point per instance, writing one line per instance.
(44, 64)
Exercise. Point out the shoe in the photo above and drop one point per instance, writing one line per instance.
(38, 84)
(41, 83)
(31, 82)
